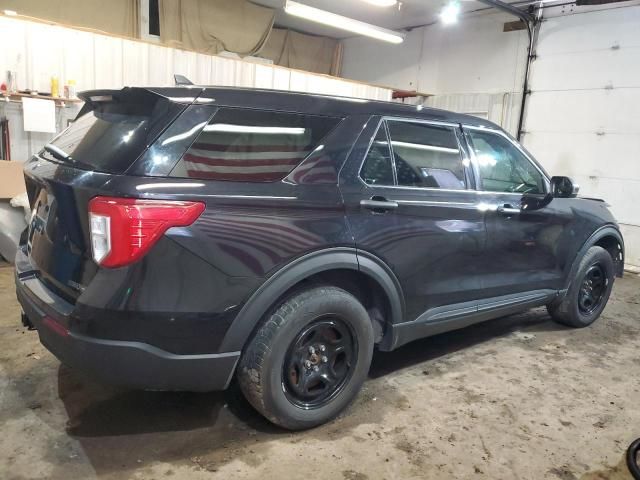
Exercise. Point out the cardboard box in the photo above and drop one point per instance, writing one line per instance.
(11, 180)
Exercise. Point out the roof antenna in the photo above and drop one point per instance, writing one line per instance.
(181, 80)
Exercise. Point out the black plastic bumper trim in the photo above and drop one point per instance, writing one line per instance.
(130, 364)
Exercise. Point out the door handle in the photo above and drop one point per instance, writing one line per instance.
(508, 210)
(379, 204)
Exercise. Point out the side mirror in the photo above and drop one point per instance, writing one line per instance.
(563, 187)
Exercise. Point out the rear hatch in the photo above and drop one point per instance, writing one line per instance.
(111, 131)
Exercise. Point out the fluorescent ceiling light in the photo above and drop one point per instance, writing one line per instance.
(10, 13)
(450, 13)
(382, 3)
(229, 128)
(343, 23)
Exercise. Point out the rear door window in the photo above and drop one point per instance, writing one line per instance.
(246, 145)
(426, 155)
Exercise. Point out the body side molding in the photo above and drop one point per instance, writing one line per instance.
(452, 317)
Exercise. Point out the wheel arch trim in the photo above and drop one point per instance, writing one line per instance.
(599, 234)
(293, 273)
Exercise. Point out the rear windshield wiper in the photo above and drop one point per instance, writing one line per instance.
(57, 153)
(63, 156)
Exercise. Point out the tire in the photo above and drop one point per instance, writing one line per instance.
(575, 309)
(273, 372)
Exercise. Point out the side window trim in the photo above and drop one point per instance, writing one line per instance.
(465, 150)
(464, 146)
(476, 168)
(381, 125)
(470, 181)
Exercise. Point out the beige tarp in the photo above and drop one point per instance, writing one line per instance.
(119, 17)
(210, 26)
(303, 52)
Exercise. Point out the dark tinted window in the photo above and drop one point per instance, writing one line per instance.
(110, 137)
(504, 168)
(377, 168)
(252, 145)
(154, 18)
(426, 155)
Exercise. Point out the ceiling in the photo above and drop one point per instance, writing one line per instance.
(410, 13)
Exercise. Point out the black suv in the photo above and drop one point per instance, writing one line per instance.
(185, 236)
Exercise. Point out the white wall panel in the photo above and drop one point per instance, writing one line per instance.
(631, 236)
(75, 66)
(42, 61)
(136, 63)
(383, 63)
(160, 65)
(108, 63)
(567, 71)
(245, 74)
(500, 108)
(583, 117)
(571, 154)
(203, 69)
(185, 63)
(282, 79)
(472, 67)
(590, 31)
(474, 56)
(594, 111)
(13, 33)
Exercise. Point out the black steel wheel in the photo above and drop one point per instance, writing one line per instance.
(589, 291)
(632, 459)
(319, 362)
(308, 358)
(593, 288)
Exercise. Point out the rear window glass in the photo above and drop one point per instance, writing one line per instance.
(110, 137)
(246, 145)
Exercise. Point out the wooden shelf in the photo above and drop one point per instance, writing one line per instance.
(402, 94)
(17, 98)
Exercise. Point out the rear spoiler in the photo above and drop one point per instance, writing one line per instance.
(93, 98)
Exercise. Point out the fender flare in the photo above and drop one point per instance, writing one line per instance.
(607, 230)
(288, 276)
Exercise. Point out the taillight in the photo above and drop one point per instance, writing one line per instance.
(124, 229)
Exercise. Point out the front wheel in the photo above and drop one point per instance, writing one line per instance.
(589, 292)
(308, 359)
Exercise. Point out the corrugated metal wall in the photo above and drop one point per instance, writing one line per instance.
(583, 117)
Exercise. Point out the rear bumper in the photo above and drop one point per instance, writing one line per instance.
(131, 364)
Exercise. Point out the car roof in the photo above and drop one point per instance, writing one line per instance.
(314, 102)
(300, 102)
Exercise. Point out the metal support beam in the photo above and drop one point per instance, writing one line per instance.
(533, 24)
(500, 5)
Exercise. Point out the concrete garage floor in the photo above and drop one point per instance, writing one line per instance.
(520, 397)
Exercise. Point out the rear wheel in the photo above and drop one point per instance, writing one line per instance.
(589, 292)
(308, 359)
